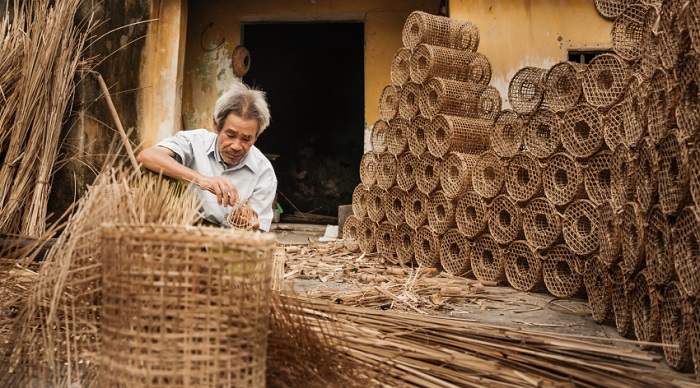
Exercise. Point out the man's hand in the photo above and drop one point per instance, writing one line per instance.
(226, 193)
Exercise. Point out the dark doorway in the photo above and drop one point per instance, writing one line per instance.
(313, 75)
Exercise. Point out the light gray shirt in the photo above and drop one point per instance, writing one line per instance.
(254, 176)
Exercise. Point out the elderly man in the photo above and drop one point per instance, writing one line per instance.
(227, 170)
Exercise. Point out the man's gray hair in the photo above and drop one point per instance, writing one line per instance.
(244, 102)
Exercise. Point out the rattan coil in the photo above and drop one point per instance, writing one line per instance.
(599, 290)
(397, 141)
(526, 89)
(686, 254)
(508, 132)
(505, 220)
(428, 173)
(645, 310)
(368, 168)
(422, 27)
(675, 328)
(395, 209)
(559, 274)
(580, 227)
(562, 86)
(582, 131)
(694, 181)
(456, 173)
(426, 248)
(376, 203)
(523, 177)
(623, 171)
(659, 250)
(430, 61)
(674, 173)
(605, 79)
(389, 102)
(614, 131)
(471, 214)
(416, 209)
(385, 241)
(635, 111)
(366, 238)
(459, 134)
(542, 133)
(631, 30)
(633, 238)
(562, 179)
(597, 177)
(486, 258)
(489, 175)
(621, 301)
(404, 240)
(455, 98)
(454, 253)
(523, 267)
(658, 105)
(441, 213)
(351, 231)
(611, 9)
(541, 223)
(609, 231)
(401, 66)
(380, 136)
(406, 166)
(386, 170)
(417, 142)
(688, 106)
(408, 103)
(360, 195)
(646, 182)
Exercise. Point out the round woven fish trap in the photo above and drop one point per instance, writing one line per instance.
(395, 209)
(366, 239)
(659, 250)
(242, 216)
(471, 214)
(692, 21)
(599, 290)
(489, 175)
(621, 301)
(430, 61)
(611, 9)
(368, 168)
(505, 220)
(401, 66)
(417, 142)
(672, 42)
(560, 278)
(441, 213)
(580, 226)
(389, 102)
(454, 253)
(692, 311)
(562, 179)
(422, 27)
(674, 173)
(631, 30)
(562, 86)
(541, 223)
(507, 136)
(623, 170)
(694, 181)
(385, 242)
(351, 232)
(597, 177)
(688, 105)
(377, 200)
(632, 238)
(455, 98)
(523, 177)
(609, 231)
(459, 134)
(582, 131)
(542, 137)
(386, 170)
(487, 260)
(645, 310)
(184, 306)
(659, 115)
(456, 173)
(406, 166)
(635, 111)
(416, 209)
(674, 328)
(408, 103)
(646, 180)
(398, 136)
(426, 248)
(686, 254)
(428, 173)
(605, 80)
(360, 196)
(380, 136)
(523, 267)
(614, 126)
(526, 89)
(404, 240)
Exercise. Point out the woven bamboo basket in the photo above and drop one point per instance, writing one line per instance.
(441, 213)
(366, 238)
(599, 290)
(408, 103)
(507, 136)
(621, 301)
(380, 136)
(611, 9)
(562, 179)
(633, 238)
(454, 253)
(184, 306)
(614, 131)
(505, 220)
(385, 241)
(658, 249)
(406, 166)
(609, 232)
(489, 175)
(562, 86)
(559, 273)
(430, 61)
(692, 21)
(455, 98)
(674, 173)
(386, 170)
(542, 137)
(417, 142)
(686, 254)
(422, 27)
(541, 223)
(523, 267)
(359, 200)
(645, 310)
(376, 203)
(688, 106)
(597, 177)
(659, 112)
(523, 177)
(404, 240)
(428, 173)
(471, 214)
(456, 173)
(401, 66)
(630, 30)
(458, 134)
(646, 188)
(526, 89)
(351, 233)
(397, 141)
(623, 170)
(389, 102)
(582, 131)
(395, 208)
(694, 181)
(416, 209)
(580, 227)
(693, 317)
(675, 328)
(487, 260)
(635, 111)
(368, 168)
(605, 80)
(426, 248)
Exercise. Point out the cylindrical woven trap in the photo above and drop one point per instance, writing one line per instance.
(659, 250)
(379, 136)
(351, 231)
(621, 301)
(366, 239)
(562, 179)
(609, 232)
(489, 175)
(541, 223)
(582, 131)
(404, 240)
(456, 173)
(385, 241)
(526, 89)
(524, 177)
(386, 170)
(694, 181)
(376, 203)
(471, 214)
(635, 111)
(671, 40)
(686, 250)
(674, 328)
(441, 213)
(659, 113)
(428, 173)
(688, 106)
(605, 79)
(401, 66)
(542, 133)
(692, 20)
(417, 142)
(395, 209)
(184, 306)
(454, 253)
(397, 141)
(630, 31)
(459, 134)
(523, 267)
(408, 103)
(430, 61)
(623, 170)
(455, 98)
(427, 248)
(360, 196)
(599, 290)
(597, 177)
(389, 102)
(614, 126)
(422, 27)
(416, 209)
(486, 258)
(645, 310)
(580, 227)
(692, 311)
(505, 220)
(632, 238)
(560, 278)
(368, 168)
(611, 9)
(507, 136)
(646, 181)
(406, 166)
(562, 86)
(674, 173)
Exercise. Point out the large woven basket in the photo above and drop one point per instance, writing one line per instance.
(460, 134)
(385, 241)
(523, 267)
(562, 86)
(441, 212)
(609, 232)
(505, 220)
(526, 89)
(426, 248)
(523, 177)
(580, 227)
(559, 272)
(471, 214)
(417, 128)
(454, 253)
(541, 223)
(631, 29)
(675, 328)
(508, 133)
(455, 98)
(395, 209)
(611, 9)
(428, 173)
(401, 66)
(562, 179)
(416, 206)
(605, 80)
(489, 175)
(406, 166)
(430, 61)
(542, 136)
(389, 102)
(597, 177)
(351, 231)
(422, 27)
(184, 306)
(403, 242)
(582, 131)
(397, 141)
(456, 173)
(486, 258)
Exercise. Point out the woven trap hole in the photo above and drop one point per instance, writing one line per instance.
(420, 134)
(425, 247)
(417, 207)
(487, 258)
(455, 250)
(561, 179)
(564, 86)
(504, 219)
(429, 172)
(440, 135)
(528, 90)
(604, 178)
(508, 133)
(406, 242)
(605, 80)
(454, 173)
(523, 176)
(441, 212)
(423, 63)
(408, 169)
(470, 214)
(543, 131)
(397, 205)
(522, 264)
(368, 234)
(562, 269)
(490, 174)
(542, 223)
(433, 97)
(584, 226)
(386, 239)
(378, 202)
(582, 130)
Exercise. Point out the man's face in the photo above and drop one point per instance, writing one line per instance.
(235, 138)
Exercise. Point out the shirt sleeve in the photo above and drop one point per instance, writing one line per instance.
(263, 196)
(181, 145)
